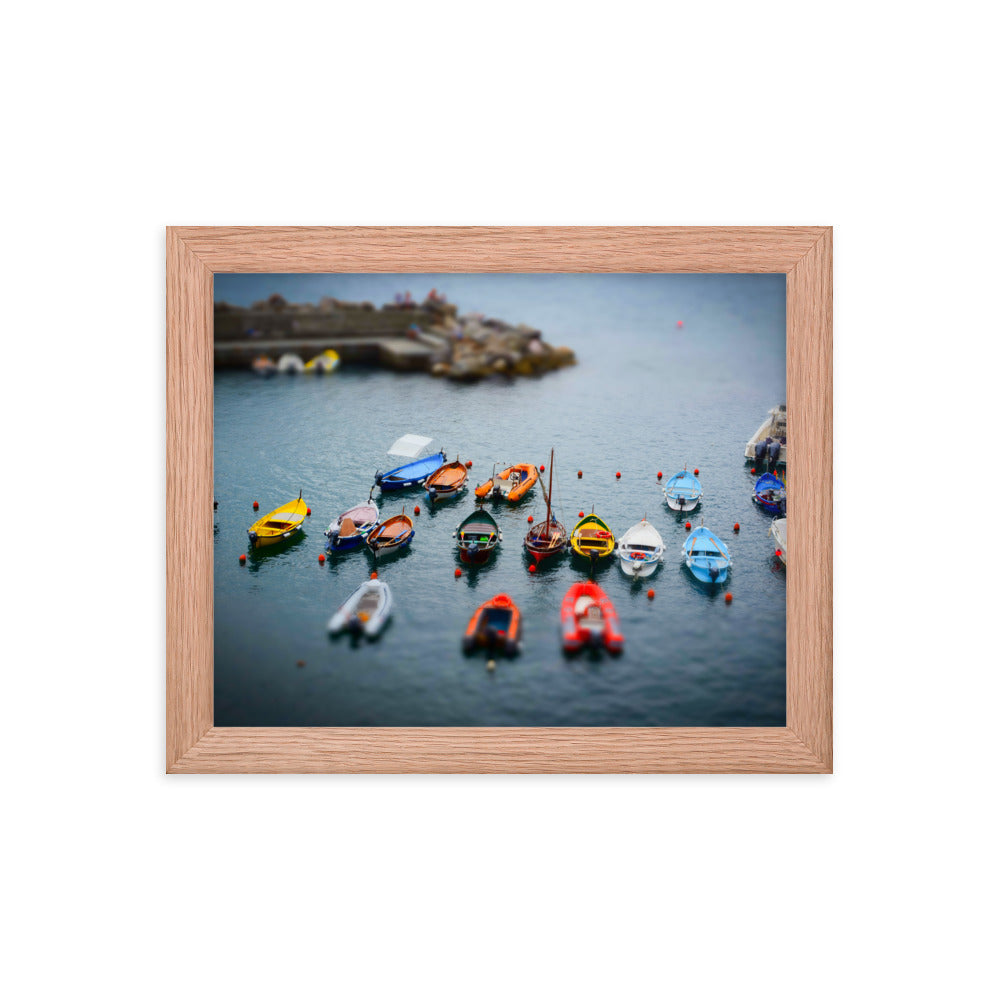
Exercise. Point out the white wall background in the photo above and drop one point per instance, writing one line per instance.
(877, 118)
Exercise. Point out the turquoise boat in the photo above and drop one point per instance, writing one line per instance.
(683, 491)
(706, 556)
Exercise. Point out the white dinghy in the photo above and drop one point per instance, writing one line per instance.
(640, 550)
(365, 611)
(779, 532)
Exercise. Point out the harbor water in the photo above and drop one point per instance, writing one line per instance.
(646, 396)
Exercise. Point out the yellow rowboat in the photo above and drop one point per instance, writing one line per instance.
(279, 525)
(592, 538)
(324, 363)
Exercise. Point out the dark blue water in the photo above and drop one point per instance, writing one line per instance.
(645, 396)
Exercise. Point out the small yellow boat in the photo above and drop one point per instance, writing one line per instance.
(324, 363)
(279, 525)
(592, 538)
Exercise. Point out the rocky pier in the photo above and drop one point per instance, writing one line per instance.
(430, 336)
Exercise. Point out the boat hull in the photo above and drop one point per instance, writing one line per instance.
(365, 612)
(412, 474)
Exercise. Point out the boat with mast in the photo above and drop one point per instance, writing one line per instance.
(550, 537)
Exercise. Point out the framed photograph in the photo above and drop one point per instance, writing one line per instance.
(499, 499)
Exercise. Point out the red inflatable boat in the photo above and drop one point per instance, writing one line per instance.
(589, 619)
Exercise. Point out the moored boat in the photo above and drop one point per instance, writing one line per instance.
(281, 524)
(351, 529)
(769, 492)
(365, 611)
(707, 556)
(324, 363)
(769, 444)
(495, 624)
(264, 366)
(291, 364)
(640, 550)
(413, 473)
(683, 491)
(549, 537)
(446, 481)
(392, 534)
(512, 484)
(589, 619)
(779, 532)
(478, 535)
(591, 538)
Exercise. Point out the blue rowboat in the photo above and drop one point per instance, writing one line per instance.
(683, 491)
(769, 493)
(706, 556)
(351, 529)
(413, 473)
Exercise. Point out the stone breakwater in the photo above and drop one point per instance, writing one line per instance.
(429, 336)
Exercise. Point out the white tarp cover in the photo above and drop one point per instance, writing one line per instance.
(410, 445)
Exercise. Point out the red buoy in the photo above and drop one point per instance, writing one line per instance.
(531, 568)
(659, 475)
(618, 475)
(777, 552)
(300, 663)
(256, 506)
(309, 512)
(416, 510)
(687, 525)
(579, 473)
(541, 468)
(736, 527)
(243, 559)
(680, 324)
(458, 572)
(531, 519)
(581, 513)
(696, 472)
(374, 575)
(468, 465)
(729, 598)
(651, 594)
(753, 470)
(322, 558)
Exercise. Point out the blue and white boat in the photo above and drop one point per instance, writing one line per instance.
(351, 529)
(769, 493)
(413, 473)
(683, 491)
(706, 556)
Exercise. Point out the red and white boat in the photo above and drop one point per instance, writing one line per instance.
(589, 619)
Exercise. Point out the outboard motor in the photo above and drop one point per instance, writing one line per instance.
(713, 572)
(253, 539)
(759, 450)
(773, 451)
(378, 477)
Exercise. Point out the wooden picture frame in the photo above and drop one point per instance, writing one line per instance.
(195, 745)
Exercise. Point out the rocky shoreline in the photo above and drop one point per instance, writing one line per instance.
(404, 335)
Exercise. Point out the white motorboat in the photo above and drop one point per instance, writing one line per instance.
(365, 611)
(779, 532)
(769, 445)
(640, 550)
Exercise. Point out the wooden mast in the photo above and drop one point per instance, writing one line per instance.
(548, 498)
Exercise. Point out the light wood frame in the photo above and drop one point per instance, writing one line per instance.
(194, 745)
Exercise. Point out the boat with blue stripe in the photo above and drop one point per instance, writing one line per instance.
(769, 493)
(413, 473)
(683, 491)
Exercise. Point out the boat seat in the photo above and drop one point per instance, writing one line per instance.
(347, 528)
(582, 604)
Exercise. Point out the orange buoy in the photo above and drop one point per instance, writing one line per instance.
(531, 568)
(579, 473)
(374, 575)
(531, 519)
(618, 475)
(687, 525)
(696, 472)
(651, 594)
(659, 475)
(468, 465)
(458, 572)
(416, 510)
(680, 324)
(256, 506)
(309, 512)
(736, 527)
(243, 559)
(729, 598)
(541, 468)
(322, 558)
(581, 513)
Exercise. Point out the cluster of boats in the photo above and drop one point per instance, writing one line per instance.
(588, 617)
(325, 363)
